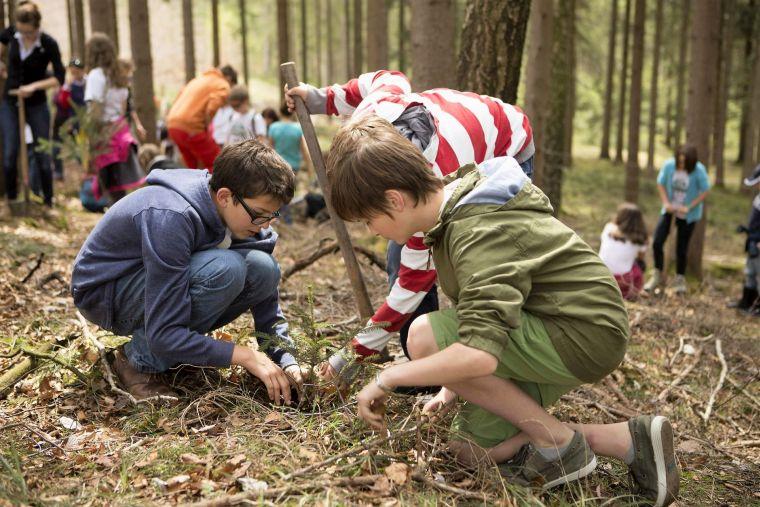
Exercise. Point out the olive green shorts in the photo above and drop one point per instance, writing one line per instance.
(529, 360)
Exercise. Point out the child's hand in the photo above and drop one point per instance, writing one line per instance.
(295, 376)
(371, 405)
(326, 371)
(263, 368)
(440, 404)
(300, 91)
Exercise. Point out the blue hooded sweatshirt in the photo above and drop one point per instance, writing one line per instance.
(158, 228)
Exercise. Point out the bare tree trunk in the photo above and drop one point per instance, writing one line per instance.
(491, 49)
(215, 31)
(2, 87)
(377, 35)
(189, 36)
(561, 74)
(11, 11)
(115, 23)
(358, 36)
(538, 78)
(70, 19)
(402, 35)
(654, 83)
(283, 39)
(139, 30)
(724, 77)
(746, 93)
(330, 56)
(623, 84)
(318, 34)
(79, 39)
(752, 113)
(2, 13)
(244, 38)
(680, 86)
(567, 151)
(634, 117)
(607, 122)
(705, 40)
(347, 36)
(102, 19)
(433, 62)
(304, 51)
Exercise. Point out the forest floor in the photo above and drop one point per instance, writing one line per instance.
(69, 440)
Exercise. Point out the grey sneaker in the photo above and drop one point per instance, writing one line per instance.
(530, 468)
(654, 469)
(679, 284)
(654, 282)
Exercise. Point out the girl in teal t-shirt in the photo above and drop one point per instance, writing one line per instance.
(287, 138)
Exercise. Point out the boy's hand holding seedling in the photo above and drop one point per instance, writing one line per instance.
(275, 379)
(371, 403)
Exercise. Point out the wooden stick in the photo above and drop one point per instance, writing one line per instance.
(22, 369)
(681, 376)
(344, 240)
(721, 380)
(328, 249)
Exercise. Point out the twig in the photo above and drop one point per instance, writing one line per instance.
(620, 412)
(107, 368)
(745, 443)
(742, 389)
(55, 275)
(365, 480)
(448, 488)
(330, 248)
(721, 380)
(612, 385)
(50, 357)
(680, 349)
(35, 268)
(684, 373)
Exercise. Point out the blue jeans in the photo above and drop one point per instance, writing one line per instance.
(430, 302)
(38, 118)
(223, 285)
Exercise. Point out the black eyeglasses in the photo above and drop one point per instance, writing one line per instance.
(257, 218)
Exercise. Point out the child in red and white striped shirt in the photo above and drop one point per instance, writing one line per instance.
(452, 129)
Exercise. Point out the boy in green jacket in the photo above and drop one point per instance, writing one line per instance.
(536, 313)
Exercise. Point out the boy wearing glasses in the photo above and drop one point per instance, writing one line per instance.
(186, 254)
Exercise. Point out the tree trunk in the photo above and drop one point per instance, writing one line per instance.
(654, 83)
(244, 38)
(634, 117)
(680, 86)
(358, 66)
(746, 93)
(433, 63)
(491, 49)
(402, 35)
(215, 31)
(304, 51)
(606, 123)
(2, 13)
(567, 150)
(2, 87)
(139, 29)
(283, 39)
(623, 84)
(70, 19)
(330, 56)
(115, 23)
(102, 19)
(189, 36)
(79, 38)
(377, 35)
(11, 11)
(705, 41)
(538, 79)
(752, 111)
(347, 37)
(724, 78)
(561, 74)
(318, 37)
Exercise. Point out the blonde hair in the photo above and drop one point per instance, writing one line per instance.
(101, 52)
(368, 156)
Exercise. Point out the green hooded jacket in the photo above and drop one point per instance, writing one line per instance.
(498, 250)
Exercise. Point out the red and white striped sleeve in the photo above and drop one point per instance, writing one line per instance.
(344, 99)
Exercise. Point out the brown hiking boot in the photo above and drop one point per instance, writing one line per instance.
(138, 384)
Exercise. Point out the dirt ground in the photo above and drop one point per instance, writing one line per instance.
(67, 440)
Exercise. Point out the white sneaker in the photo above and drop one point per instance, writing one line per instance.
(654, 282)
(679, 284)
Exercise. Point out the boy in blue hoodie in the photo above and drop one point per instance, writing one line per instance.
(189, 253)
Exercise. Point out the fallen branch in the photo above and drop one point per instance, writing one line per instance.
(244, 497)
(620, 412)
(55, 275)
(741, 389)
(448, 487)
(330, 248)
(22, 369)
(107, 368)
(684, 373)
(35, 268)
(612, 385)
(680, 349)
(721, 380)
(42, 355)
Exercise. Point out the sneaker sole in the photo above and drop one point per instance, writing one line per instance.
(660, 428)
(574, 476)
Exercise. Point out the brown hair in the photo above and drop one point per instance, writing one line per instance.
(238, 95)
(28, 13)
(630, 223)
(252, 169)
(230, 73)
(270, 114)
(146, 153)
(368, 156)
(101, 52)
(689, 152)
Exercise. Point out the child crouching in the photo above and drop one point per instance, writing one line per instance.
(536, 313)
(623, 247)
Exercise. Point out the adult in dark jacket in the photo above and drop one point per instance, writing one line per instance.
(30, 54)
(184, 255)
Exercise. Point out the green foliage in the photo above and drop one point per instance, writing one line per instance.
(12, 481)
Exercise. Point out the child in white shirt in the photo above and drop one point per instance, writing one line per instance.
(623, 247)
